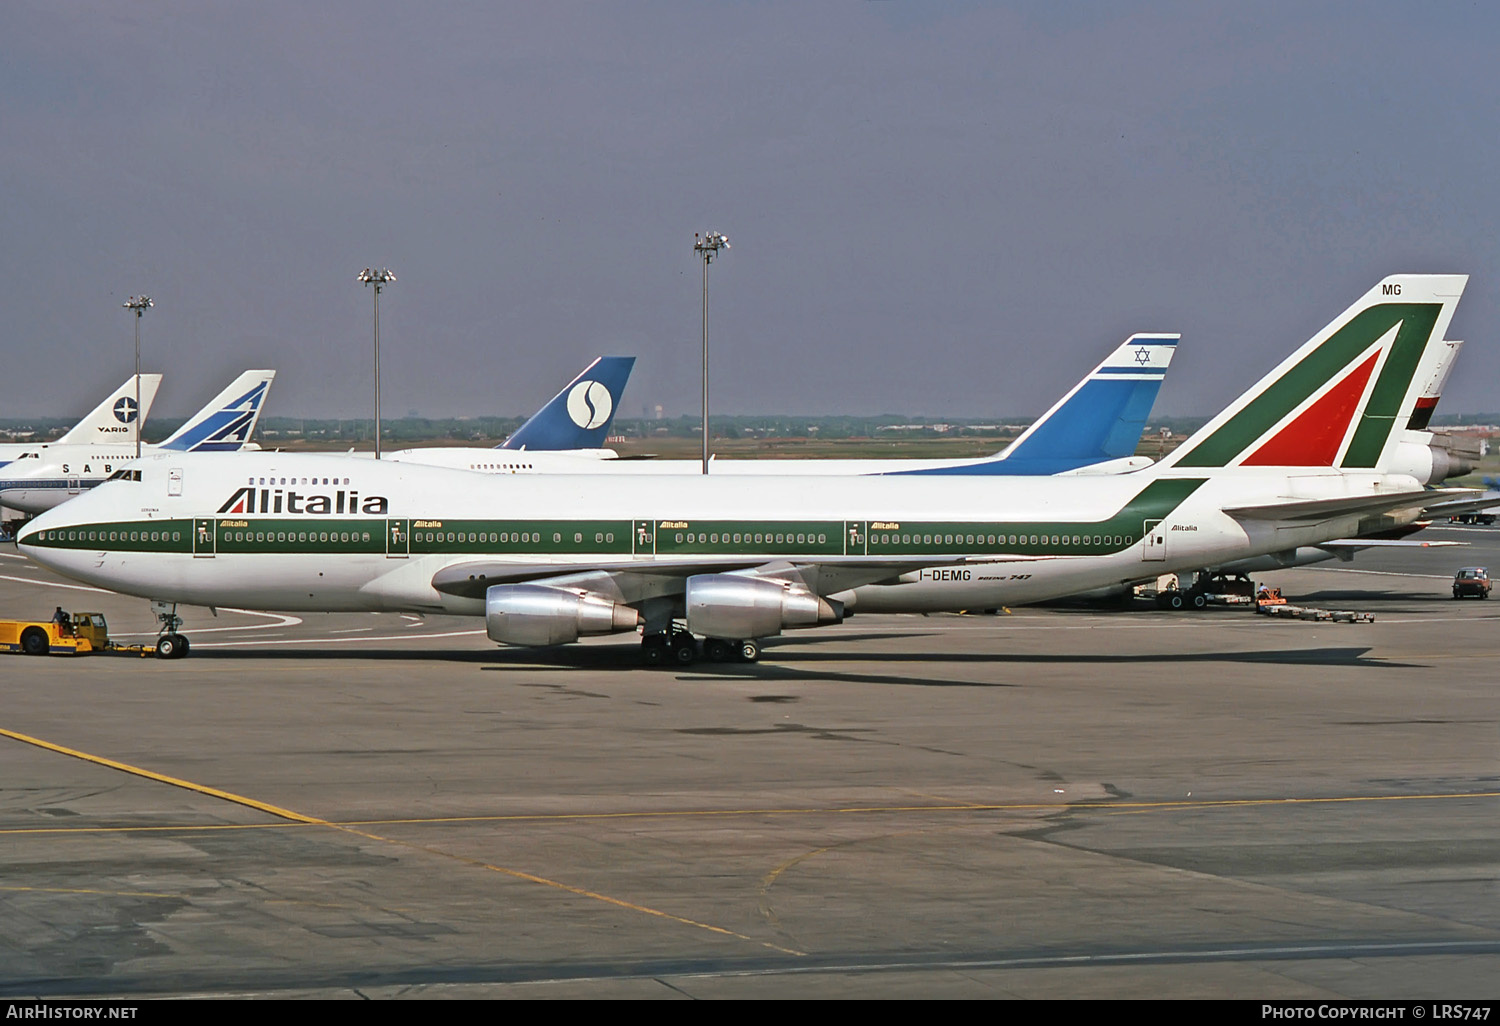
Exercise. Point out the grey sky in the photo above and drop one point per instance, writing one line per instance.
(934, 208)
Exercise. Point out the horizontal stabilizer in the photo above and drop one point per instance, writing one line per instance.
(1314, 510)
(1455, 507)
(1356, 544)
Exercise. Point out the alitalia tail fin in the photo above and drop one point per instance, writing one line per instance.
(578, 417)
(116, 419)
(1341, 399)
(229, 419)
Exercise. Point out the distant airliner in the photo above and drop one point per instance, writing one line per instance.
(1093, 429)
(47, 475)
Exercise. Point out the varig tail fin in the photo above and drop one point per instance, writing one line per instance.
(578, 417)
(228, 421)
(1339, 400)
(116, 419)
(1097, 422)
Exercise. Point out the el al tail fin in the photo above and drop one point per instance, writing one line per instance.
(1095, 426)
(1102, 417)
(1343, 397)
(228, 421)
(578, 417)
(118, 418)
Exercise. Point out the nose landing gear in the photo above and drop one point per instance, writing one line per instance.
(170, 644)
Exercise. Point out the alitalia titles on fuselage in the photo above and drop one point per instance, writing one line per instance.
(251, 499)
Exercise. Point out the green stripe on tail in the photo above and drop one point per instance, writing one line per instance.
(1338, 352)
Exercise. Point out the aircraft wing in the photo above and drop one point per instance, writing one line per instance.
(1315, 510)
(640, 578)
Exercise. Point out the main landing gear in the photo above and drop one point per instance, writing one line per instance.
(678, 647)
(169, 643)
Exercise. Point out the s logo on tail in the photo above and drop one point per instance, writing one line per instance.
(589, 405)
(579, 416)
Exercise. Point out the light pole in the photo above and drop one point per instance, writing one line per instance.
(707, 246)
(379, 279)
(140, 304)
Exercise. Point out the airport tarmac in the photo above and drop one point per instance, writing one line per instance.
(1052, 803)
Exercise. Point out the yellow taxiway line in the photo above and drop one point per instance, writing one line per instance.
(296, 817)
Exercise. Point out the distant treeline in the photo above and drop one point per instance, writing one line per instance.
(495, 429)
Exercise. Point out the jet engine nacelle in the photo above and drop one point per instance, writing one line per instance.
(1429, 464)
(727, 606)
(535, 614)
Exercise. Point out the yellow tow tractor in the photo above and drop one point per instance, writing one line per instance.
(76, 634)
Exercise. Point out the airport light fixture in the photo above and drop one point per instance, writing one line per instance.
(380, 279)
(139, 304)
(707, 247)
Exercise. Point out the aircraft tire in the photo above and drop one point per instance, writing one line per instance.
(654, 649)
(749, 651)
(684, 649)
(34, 641)
(169, 646)
(717, 650)
(185, 646)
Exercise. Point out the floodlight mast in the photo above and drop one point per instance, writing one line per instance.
(379, 279)
(139, 304)
(707, 246)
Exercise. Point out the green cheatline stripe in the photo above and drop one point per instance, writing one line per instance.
(1315, 370)
(252, 534)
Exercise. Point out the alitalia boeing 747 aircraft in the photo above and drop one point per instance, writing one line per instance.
(1304, 456)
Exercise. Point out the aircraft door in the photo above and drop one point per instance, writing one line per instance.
(643, 538)
(1154, 542)
(856, 534)
(203, 538)
(174, 481)
(397, 539)
(73, 488)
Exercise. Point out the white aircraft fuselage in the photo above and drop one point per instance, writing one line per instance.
(501, 461)
(297, 532)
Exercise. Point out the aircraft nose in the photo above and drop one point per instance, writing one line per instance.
(30, 533)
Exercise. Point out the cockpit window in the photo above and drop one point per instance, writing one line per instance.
(125, 475)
